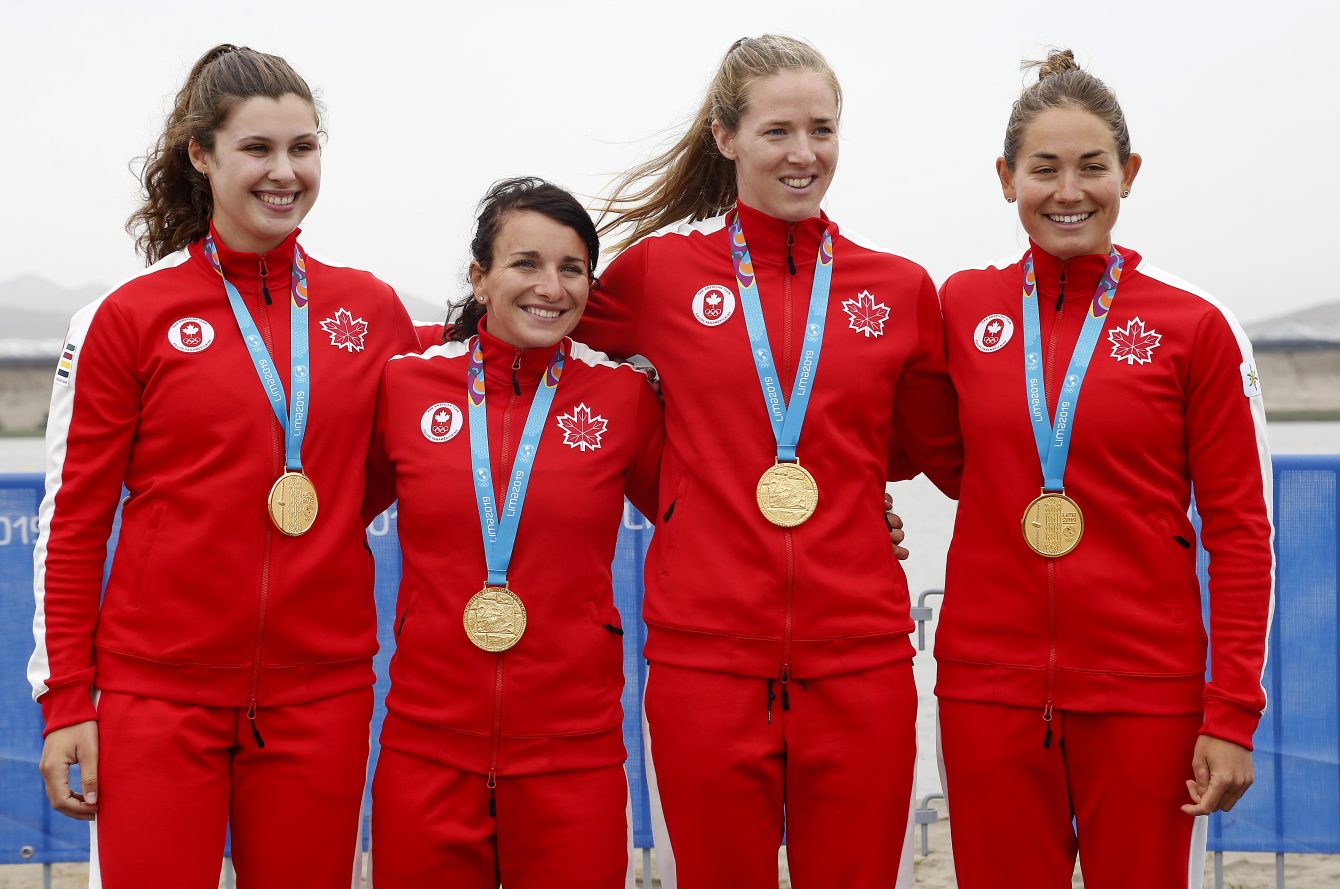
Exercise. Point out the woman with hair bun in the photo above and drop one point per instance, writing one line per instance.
(224, 680)
(1070, 650)
(780, 694)
(502, 749)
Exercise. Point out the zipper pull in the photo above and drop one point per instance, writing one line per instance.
(265, 288)
(1060, 297)
(255, 732)
(786, 694)
(493, 800)
(1047, 718)
(790, 242)
(516, 366)
(771, 697)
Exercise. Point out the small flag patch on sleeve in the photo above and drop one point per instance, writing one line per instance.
(66, 366)
(1251, 380)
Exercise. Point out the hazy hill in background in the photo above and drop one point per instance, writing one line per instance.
(33, 308)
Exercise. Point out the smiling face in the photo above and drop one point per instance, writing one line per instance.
(1068, 181)
(264, 170)
(537, 283)
(785, 149)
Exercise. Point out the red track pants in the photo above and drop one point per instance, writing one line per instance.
(736, 762)
(431, 827)
(1121, 777)
(174, 777)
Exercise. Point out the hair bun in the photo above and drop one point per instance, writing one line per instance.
(1058, 62)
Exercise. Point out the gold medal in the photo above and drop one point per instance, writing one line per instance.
(1053, 524)
(495, 618)
(787, 494)
(293, 504)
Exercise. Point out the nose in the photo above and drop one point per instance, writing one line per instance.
(1068, 189)
(281, 167)
(802, 152)
(547, 285)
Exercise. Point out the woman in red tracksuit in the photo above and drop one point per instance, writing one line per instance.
(1071, 651)
(781, 675)
(225, 678)
(502, 749)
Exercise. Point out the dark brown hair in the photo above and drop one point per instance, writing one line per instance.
(177, 200)
(692, 180)
(504, 198)
(1063, 84)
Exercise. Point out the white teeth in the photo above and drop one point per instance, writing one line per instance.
(1068, 219)
(798, 183)
(542, 313)
(278, 200)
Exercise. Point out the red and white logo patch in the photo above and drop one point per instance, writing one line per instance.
(346, 331)
(866, 316)
(1133, 343)
(191, 335)
(714, 305)
(993, 332)
(441, 422)
(582, 429)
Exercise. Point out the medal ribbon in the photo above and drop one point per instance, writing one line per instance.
(1053, 439)
(787, 417)
(500, 532)
(292, 418)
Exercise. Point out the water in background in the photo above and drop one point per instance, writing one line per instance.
(928, 517)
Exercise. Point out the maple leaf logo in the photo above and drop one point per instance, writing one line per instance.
(190, 329)
(582, 430)
(994, 328)
(442, 418)
(1134, 344)
(714, 300)
(346, 331)
(867, 316)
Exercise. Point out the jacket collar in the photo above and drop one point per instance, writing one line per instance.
(767, 237)
(243, 269)
(500, 358)
(1082, 273)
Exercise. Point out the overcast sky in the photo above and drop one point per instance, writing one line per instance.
(1234, 106)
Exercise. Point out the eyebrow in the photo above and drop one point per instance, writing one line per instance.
(267, 139)
(1048, 156)
(780, 122)
(535, 254)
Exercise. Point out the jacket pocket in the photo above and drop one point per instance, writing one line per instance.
(142, 551)
(1179, 567)
(666, 539)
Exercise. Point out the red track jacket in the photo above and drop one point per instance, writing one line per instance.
(551, 703)
(207, 602)
(1170, 400)
(727, 590)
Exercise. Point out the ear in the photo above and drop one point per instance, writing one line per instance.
(725, 140)
(1006, 176)
(476, 277)
(199, 157)
(1129, 171)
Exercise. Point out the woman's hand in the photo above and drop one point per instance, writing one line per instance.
(1223, 773)
(895, 523)
(73, 745)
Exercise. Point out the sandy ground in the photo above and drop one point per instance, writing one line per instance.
(933, 871)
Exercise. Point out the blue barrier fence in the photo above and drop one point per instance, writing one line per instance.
(1294, 807)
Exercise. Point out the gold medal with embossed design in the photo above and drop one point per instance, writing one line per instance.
(1053, 524)
(787, 494)
(495, 618)
(293, 504)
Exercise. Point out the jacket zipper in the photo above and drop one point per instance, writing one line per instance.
(1051, 563)
(277, 459)
(495, 741)
(265, 287)
(787, 540)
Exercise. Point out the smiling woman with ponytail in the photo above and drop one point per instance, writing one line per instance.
(1071, 636)
(223, 681)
